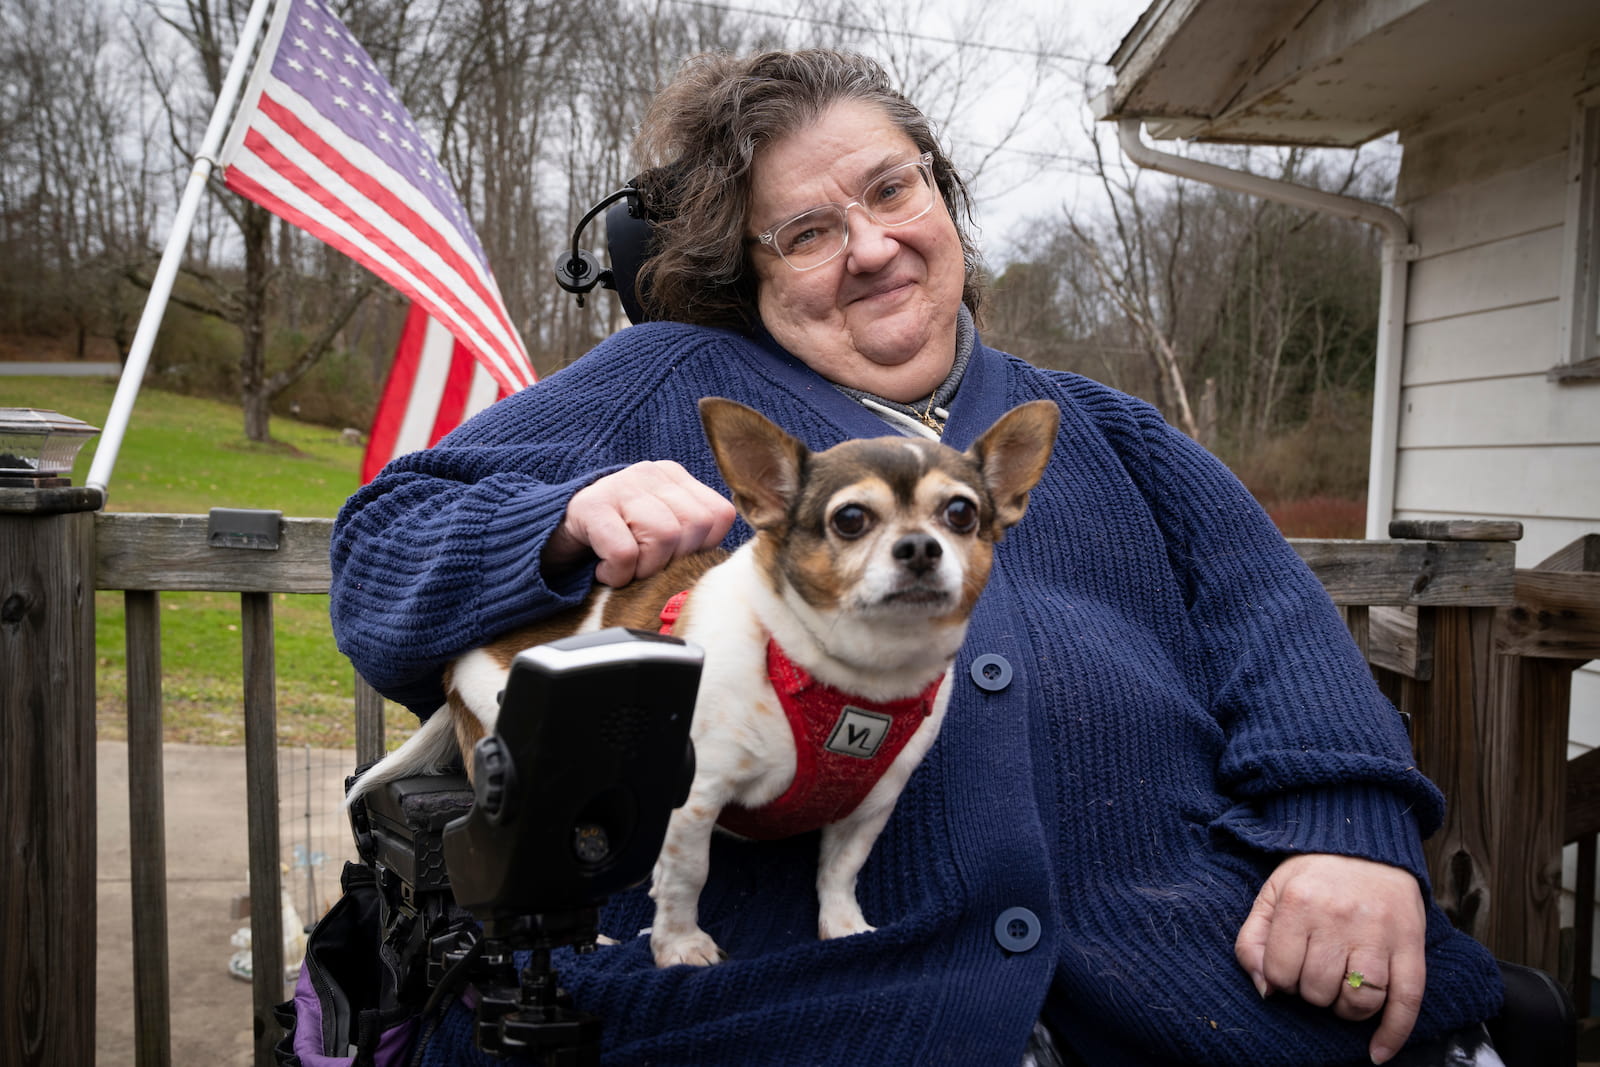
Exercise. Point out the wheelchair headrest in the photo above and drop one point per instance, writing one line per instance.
(631, 215)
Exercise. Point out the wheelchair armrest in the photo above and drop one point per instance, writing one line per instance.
(1538, 1025)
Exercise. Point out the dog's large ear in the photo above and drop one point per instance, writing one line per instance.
(760, 463)
(1013, 453)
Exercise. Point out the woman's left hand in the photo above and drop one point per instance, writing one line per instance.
(1341, 932)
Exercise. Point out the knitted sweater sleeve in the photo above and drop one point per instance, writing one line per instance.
(417, 552)
(1316, 758)
(441, 552)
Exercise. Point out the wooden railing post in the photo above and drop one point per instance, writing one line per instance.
(47, 775)
(1552, 629)
(1490, 730)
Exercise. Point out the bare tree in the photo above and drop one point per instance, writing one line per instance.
(531, 105)
(1244, 314)
(73, 192)
(1135, 254)
(1299, 309)
(241, 293)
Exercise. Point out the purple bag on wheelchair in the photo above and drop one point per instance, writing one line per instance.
(349, 1009)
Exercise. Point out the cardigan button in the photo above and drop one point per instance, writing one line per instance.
(1017, 929)
(991, 672)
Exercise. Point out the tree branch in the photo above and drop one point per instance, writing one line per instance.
(318, 346)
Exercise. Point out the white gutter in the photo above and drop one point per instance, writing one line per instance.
(1397, 251)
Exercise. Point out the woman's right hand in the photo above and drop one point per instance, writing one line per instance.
(638, 520)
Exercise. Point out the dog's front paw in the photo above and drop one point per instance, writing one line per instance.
(695, 948)
(842, 921)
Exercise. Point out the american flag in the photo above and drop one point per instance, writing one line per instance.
(322, 141)
(433, 385)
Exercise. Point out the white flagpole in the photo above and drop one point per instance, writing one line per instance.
(155, 306)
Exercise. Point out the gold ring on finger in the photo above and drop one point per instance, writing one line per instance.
(1357, 980)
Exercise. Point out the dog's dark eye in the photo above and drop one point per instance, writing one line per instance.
(851, 521)
(961, 515)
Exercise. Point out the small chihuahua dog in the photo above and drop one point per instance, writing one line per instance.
(827, 637)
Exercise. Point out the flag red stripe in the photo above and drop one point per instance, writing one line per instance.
(510, 371)
(379, 194)
(250, 188)
(403, 389)
(396, 387)
(247, 186)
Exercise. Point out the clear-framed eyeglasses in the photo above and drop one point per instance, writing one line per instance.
(899, 195)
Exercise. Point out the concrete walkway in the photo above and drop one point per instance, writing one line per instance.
(59, 369)
(207, 868)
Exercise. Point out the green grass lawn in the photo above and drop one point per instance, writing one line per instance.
(185, 455)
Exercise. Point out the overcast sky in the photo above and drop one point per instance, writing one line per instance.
(1033, 172)
(1045, 153)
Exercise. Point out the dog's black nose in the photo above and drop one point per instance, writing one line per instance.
(919, 552)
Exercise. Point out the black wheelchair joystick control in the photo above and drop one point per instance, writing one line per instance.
(571, 797)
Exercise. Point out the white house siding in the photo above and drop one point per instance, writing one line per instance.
(1483, 433)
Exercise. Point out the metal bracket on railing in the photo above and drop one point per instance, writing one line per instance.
(243, 528)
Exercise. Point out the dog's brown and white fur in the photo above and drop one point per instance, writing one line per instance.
(865, 566)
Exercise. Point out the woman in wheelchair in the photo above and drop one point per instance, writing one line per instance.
(1169, 819)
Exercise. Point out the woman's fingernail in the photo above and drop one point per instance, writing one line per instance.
(1261, 985)
(1381, 1055)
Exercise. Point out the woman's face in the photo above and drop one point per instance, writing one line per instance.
(881, 315)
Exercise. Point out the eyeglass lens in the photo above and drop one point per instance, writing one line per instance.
(894, 198)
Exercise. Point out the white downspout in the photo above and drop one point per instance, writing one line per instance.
(1397, 251)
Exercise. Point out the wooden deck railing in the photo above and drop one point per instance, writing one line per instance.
(1479, 654)
(1484, 669)
(144, 556)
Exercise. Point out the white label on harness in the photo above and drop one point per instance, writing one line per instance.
(858, 732)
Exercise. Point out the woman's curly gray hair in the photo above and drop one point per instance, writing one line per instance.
(699, 140)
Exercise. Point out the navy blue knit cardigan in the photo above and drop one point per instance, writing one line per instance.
(1185, 707)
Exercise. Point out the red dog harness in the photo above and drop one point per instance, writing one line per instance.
(842, 744)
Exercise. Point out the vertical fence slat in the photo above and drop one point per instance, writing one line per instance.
(1583, 905)
(1529, 702)
(261, 781)
(369, 722)
(1454, 742)
(1357, 619)
(147, 832)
